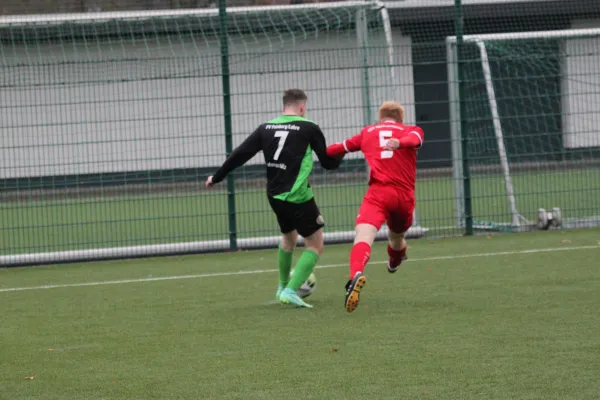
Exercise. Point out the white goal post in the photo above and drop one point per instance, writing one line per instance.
(571, 60)
(95, 18)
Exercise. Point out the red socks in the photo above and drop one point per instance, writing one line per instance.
(396, 256)
(361, 252)
(359, 257)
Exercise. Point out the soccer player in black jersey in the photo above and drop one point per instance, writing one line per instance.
(287, 143)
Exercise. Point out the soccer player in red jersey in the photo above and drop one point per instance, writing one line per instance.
(390, 148)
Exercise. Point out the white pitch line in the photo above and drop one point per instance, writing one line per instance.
(263, 271)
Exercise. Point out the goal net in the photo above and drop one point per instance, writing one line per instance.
(111, 121)
(531, 118)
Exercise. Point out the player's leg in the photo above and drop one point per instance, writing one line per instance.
(371, 215)
(396, 250)
(288, 242)
(360, 254)
(370, 218)
(309, 224)
(399, 222)
(308, 260)
(284, 259)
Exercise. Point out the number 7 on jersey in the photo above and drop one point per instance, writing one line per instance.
(282, 135)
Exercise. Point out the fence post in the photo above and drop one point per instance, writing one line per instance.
(223, 34)
(362, 34)
(363, 38)
(464, 132)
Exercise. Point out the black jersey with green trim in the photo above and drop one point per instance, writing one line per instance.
(287, 143)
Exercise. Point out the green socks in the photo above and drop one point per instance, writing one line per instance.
(284, 262)
(304, 267)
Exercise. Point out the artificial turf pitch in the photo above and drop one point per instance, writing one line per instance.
(502, 317)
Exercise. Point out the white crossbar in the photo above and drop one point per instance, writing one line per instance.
(19, 20)
(567, 33)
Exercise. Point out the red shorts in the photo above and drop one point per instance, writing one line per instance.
(386, 204)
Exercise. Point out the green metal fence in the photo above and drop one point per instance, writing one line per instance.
(111, 123)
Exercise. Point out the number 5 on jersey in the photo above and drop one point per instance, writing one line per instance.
(384, 136)
(282, 135)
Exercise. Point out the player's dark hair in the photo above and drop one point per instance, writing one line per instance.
(294, 96)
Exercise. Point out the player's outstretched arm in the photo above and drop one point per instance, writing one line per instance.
(237, 158)
(319, 146)
(347, 146)
(411, 140)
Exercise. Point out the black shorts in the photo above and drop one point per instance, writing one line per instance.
(304, 217)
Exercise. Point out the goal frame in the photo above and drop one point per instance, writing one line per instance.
(214, 245)
(455, 122)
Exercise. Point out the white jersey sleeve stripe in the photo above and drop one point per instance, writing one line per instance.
(345, 147)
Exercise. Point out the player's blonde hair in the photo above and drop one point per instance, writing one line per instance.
(391, 110)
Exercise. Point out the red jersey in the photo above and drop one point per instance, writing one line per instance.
(396, 168)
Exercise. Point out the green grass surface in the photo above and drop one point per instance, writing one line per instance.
(451, 324)
(132, 220)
